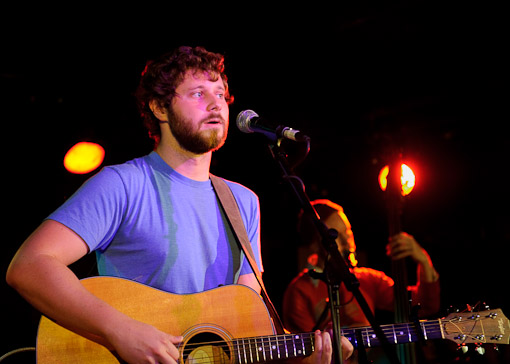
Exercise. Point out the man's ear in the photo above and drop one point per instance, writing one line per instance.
(158, 110)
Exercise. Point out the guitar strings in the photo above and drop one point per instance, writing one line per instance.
(431, 328)
(387, 329)
(252, 341)
(249, 343)
(250, 349)
(366, 332)
(306, 336)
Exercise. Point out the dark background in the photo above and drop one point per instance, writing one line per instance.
(425, 77)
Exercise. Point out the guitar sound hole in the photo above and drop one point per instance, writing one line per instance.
(206, 348)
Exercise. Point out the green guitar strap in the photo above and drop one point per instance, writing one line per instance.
(231, 209)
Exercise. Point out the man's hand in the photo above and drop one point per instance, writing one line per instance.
(404, 245)
(138, 342)
(323, 353)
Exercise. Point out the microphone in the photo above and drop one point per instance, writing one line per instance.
(248, 121)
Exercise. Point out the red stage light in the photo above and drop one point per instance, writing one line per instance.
(407, 179)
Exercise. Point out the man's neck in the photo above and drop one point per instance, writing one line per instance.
(190, 165)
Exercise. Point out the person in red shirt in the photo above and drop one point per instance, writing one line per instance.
(305, 299)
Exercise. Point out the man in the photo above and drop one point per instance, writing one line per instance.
(154, 219)
(305, 299)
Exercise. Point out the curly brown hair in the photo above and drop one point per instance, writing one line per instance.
(162, 76)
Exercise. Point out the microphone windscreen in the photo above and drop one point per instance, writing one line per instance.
(244, 119)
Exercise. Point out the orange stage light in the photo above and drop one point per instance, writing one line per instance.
(84, 157)
(407, 179)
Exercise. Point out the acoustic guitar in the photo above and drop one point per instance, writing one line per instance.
(231, 324)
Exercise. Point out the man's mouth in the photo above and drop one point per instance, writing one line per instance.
(214, 120)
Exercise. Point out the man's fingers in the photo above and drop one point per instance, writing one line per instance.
(347, 348)
(173, 351)
(327, 348)
(318, 342)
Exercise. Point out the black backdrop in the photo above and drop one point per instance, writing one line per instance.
(426, 77)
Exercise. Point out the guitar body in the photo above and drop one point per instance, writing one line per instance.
(225, 313)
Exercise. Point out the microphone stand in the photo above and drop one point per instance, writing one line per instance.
(337, 270)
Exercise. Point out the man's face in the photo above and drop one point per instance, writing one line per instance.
(345, 239)
(198, 116)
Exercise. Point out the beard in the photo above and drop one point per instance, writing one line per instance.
(194, 140)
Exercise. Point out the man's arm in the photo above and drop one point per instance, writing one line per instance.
(427, 289)
(39, 272)
(251, 281)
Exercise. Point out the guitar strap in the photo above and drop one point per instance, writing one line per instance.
(231, 209)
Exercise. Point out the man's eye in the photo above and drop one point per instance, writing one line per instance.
(220, 96)
(197, 94)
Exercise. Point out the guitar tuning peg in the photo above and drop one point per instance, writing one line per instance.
(480, 349)
(474, 316)
(492, 315)
(463, 348)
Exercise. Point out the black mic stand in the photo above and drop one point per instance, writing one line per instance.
(337, 270)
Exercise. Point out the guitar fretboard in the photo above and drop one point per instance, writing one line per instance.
(267, 348)
(396, 334)
(287, 346)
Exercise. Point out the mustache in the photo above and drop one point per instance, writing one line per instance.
(214, 117)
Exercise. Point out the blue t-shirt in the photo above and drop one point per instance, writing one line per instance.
(148, 223)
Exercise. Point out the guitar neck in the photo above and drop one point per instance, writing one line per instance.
(396, 333)
(288, 346)
(274, 347)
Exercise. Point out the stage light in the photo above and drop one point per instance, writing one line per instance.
(84, 157)
(407, 179)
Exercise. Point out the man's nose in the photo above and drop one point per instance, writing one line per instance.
(213, 103)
